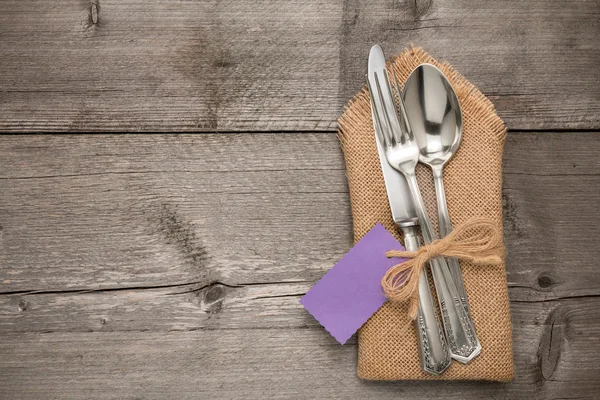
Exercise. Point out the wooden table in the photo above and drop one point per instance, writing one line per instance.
(170, 266)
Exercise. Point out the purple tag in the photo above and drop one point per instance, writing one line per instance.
(350, 292)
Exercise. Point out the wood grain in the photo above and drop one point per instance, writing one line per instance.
(528, 57)
(176, 209)
(206, 66)
(170, 266)
(550, 217)
(283, 361)
(162, 210)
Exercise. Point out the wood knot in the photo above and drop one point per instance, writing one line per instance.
(552, 341)
(211, 298)
(94, 13)
(547, 281)
(422, 7)
(23, 305)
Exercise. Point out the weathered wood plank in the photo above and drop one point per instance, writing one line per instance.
(179, 308)
(169, 65)
(555, 347)
(107, 65)
(525, 56)
(146, 211)
(551, 181)
(161, 210)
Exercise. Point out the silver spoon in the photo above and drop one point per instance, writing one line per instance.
(436, 120)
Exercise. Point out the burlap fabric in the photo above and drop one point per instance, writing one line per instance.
(387, 343)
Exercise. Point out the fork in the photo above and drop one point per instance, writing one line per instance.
(402, 153)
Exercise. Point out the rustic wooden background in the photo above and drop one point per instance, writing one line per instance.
(170, 266)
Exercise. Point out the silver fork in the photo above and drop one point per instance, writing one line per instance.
(402, 153)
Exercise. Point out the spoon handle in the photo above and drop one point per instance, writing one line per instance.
(445, 229)
(458, 323)
(433, 348)
(442, 204)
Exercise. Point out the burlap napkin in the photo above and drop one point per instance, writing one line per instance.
(387, 343)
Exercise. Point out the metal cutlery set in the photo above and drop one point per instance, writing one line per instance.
(423, 124)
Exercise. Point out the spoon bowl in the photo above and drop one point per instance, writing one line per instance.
(434, 114)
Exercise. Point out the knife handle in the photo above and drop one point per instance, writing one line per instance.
(433, 349)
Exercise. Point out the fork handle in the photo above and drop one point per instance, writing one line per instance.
(429, 234)
(445, 229)
(458, 323)
(433, 348)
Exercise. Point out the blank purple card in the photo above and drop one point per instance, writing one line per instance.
(350, 292)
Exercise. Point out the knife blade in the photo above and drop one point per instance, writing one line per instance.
(401, 204)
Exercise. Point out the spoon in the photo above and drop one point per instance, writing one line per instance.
(436, 120)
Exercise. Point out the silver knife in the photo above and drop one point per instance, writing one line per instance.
(433, 349)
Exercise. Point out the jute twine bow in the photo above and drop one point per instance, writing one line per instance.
(478, 240)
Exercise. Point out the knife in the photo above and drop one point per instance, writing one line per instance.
(433, 349)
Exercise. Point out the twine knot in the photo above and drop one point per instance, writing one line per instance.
(479, 240)
(430, 250)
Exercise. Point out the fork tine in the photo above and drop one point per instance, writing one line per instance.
(404, 122)
(376, 121)
(387, 131)
(397, 130)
